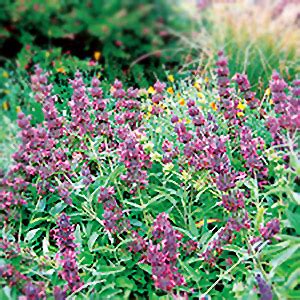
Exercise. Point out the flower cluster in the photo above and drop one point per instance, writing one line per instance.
(157, 98)
(11, 275)
(223, 78)
(170, 152)
(64, 236)
(113, 214)
(136, 161)
(245, 89)
(270, 229)
(225, 236)
(39, 85)
(264, 289)
(128, 113)
(163, 253)
(80, 104)
(34, 291)
(249, 150)
(286, 107)
(102, 124)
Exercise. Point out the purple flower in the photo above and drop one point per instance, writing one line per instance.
(34, 291)
(64, 236)
(113, 215)
(264, 289)
(270, 229)
(162, 254)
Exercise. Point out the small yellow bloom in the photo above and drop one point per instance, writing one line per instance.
(197, 86)
(178, 94)
(149, 108)
(97, 55)
(241, 106)
(268, 92)
(181, 102)
(61, 70)
(112, 90)
(200, 95)
(163, 106)
(151, 90)
(168, 167)
(47, 54)
(170, 90)
(201, 223)
(98, 75)
(186, 176)
(206, 80)
(188, 121)
(5, 105)
(5, 74)
(18, 109)
(171, 78)
(271, 101)
(240, 114)
(213, 105)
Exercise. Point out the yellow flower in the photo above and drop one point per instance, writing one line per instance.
(241, 106)
(112, 90)
(240, 114)
(213, 105)
(186, 176)
(147, 116)
(188, 121)
(171, 78)
(197, 86)
(170, 90)
(151, 90)
(5, 105)
(5, 74)
(271, 101)
(168, 167)
(61, 70)
(149, 108)
(268, 92)
(201, 223)
(200, 95)
(206, 80)
(97, 55)
(18, 109)
(181, 102)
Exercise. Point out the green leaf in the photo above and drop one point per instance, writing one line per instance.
(146, 268)
(293, 280)
(32, 235)
(283, 256)
(92, 240)
(193, 228)
(107, 270)
(58, 208)
(294, 219)
(125, 282)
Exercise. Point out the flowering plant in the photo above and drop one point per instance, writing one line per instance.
(185, 190)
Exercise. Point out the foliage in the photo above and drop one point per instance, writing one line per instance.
(127, 37)
(188, 189)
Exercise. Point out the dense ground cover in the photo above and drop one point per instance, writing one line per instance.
(188, 189)
(170, 181)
